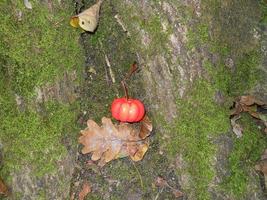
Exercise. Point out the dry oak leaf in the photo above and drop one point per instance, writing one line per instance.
(110, 141)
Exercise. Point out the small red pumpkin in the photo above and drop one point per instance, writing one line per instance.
(127, 110)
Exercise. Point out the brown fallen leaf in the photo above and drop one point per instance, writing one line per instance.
(111, 141)
(3, 188)
(85, 190)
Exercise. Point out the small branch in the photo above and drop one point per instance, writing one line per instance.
(108, 65)
(110, 69)
(118, 19)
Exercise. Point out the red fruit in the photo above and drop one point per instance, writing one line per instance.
(131, 110)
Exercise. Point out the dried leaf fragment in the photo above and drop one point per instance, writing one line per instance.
(111, 141)
(3, 188)
(85, 190)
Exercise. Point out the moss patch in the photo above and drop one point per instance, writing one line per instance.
(36, 47)
(200, 121)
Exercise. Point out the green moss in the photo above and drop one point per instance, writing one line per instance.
(246, 74)
(30, 138)
(197, 36)
(35, 49)
(37, 46)
(263, 7)
(200, 121)
(146, 30)
(246, 152)
(237, 81)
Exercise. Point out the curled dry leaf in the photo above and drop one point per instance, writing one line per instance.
(85, 190)
(3, 188)
(87, 19)
(111, 141)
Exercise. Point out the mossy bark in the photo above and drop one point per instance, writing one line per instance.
(40, 61)
(194, 58)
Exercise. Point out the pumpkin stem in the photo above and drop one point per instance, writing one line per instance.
(125, 89)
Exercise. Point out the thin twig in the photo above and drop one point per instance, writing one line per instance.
(118, 19)
(107, 64)
(110, 70)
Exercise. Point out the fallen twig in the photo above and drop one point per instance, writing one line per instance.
(118, 19)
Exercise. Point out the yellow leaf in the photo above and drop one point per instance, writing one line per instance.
(140, 153)
(74, 21)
